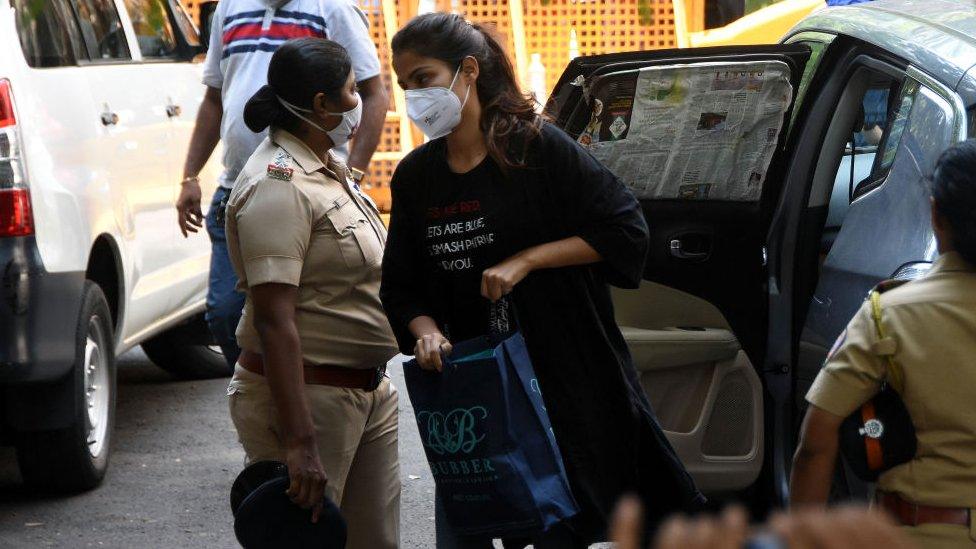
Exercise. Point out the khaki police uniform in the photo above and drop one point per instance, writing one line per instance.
(293, 219)
(932, 322)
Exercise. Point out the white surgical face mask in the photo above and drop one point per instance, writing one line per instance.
(436, 111)
(339, 134)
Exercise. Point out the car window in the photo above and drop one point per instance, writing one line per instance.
(859, 166)
(927, 132)
(186, 25)
(704, 131)
(49, 35)
(884, 141)
(102, 29)
(877, 125)
(919, 129)
(153, 29)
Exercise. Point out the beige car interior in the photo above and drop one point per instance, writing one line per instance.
(704, 390)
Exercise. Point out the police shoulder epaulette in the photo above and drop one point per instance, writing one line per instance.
(280, 168)
(885, 345)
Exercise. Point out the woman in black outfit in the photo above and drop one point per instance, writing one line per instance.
(500, 202)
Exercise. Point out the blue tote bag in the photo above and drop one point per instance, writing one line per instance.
(488, 439)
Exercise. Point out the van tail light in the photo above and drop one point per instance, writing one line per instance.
(16, 218)
(15, 213)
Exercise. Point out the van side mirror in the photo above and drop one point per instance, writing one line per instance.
(207, 10)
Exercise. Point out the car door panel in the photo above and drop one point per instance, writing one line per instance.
(882, 231)
(135, 151)
(702, 387)
(696, 327)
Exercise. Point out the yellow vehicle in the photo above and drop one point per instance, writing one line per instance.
(763, 26)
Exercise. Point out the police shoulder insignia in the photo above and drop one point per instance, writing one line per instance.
(281, 168)
(277, 172)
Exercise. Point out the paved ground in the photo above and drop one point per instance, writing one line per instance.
(175, 457)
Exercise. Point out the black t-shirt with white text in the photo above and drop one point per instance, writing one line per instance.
(471, 223)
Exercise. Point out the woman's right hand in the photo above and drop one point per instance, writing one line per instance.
(428, 351)
(307, 478)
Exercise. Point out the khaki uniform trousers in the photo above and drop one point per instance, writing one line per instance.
(356, 433)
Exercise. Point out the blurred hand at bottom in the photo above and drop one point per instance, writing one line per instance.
(842, 528)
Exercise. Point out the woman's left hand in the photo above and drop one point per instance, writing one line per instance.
(498, 281)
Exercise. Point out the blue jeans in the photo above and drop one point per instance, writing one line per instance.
(224, 303)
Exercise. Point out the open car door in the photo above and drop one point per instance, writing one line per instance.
(698, 135)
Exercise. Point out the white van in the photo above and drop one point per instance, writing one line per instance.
(97, 103)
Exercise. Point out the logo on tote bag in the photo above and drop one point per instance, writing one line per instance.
(453, 432)
(456, 432)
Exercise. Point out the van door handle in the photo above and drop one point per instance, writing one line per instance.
(173, 111)
(109, 118)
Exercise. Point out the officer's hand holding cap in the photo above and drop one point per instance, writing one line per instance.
(264, 516)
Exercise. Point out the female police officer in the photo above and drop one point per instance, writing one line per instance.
(933, 324)
(310, 386)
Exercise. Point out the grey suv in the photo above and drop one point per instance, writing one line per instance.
(780, 183)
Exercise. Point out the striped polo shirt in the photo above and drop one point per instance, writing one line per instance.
(246, 33)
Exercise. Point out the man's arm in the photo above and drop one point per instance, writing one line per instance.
(376, 101)
(206, 134)
(813, 464)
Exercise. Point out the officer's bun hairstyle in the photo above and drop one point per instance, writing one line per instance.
(299, 69)
(954, 191)
(508, 116)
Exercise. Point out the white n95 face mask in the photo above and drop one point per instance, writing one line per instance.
(340, 134)
(436, 111)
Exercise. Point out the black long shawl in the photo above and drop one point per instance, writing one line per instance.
(610, 441)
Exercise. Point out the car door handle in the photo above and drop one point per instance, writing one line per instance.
(109, 118)
(173, 111)
(678, 251)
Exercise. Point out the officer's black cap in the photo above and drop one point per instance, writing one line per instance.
(264, 517)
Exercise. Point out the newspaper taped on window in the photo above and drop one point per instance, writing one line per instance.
(699, 132)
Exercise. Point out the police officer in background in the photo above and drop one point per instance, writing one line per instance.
(933, 323)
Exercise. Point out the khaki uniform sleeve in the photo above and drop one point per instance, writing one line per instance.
(273, 229)
(853, 372)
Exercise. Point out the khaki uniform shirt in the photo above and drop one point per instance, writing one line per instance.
(293, 220)
(933, 323)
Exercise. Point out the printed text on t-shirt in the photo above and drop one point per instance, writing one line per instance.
(450, 243)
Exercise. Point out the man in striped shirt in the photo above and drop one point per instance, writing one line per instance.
(244, 35)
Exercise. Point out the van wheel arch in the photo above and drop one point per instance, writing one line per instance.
(105, 269)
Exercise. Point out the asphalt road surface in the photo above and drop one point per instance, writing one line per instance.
(175, 457)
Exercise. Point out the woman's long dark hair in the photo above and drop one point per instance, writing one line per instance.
(508, 116)
(954, 192)
(299, 70)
